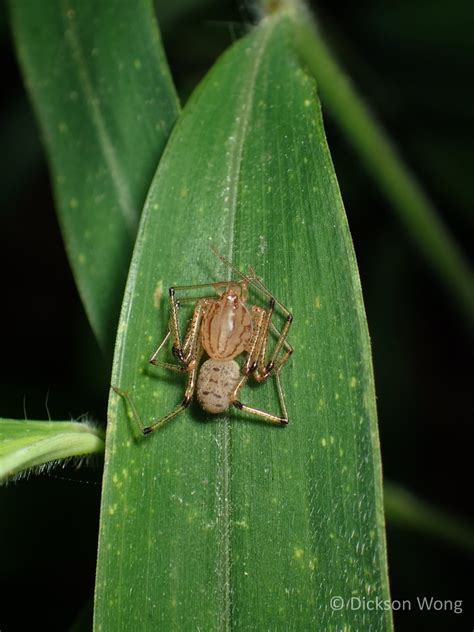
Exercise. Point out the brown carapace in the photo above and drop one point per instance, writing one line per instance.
(223, 328)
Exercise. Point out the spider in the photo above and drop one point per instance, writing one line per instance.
(223, 328)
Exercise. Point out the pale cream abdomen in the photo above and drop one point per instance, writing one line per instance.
(215, 384)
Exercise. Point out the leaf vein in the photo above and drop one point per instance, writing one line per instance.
(92, 102)
(223, 488)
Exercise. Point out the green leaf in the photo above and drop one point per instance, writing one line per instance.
(26, 444)
(83, 621)
(405, 510)
(99, 82)
(410, 202)
(224, 522)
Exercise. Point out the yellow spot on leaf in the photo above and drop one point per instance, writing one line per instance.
(158, 294)
(192, 515)
(298, 553)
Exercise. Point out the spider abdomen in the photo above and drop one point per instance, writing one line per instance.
(216, 383)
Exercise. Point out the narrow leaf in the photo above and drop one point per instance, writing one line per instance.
(391, 174)
(26, 444)
(224, 522)
(405, 510)
(98, 78)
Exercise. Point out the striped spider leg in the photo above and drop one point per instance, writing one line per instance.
(261, 368)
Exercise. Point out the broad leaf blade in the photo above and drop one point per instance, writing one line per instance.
(27, 444)
(226, 522)
(100, 85)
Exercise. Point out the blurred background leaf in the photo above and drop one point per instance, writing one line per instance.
(105, 101)
(407, 511)
(385, 164)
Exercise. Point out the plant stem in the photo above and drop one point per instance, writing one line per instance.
(383, 161)
(404, 509)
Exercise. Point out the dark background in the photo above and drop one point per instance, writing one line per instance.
(413, 63)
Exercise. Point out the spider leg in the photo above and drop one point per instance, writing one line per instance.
(191, 352)
(279, 420)
(263, 288)
(166, 365)
(188, 396)
(260, 369)
(183, 351)
(256, 363)
(274, 365)
(260, 322)
(192, 369)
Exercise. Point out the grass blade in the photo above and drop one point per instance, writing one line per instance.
(397, 183)
(27, 444)
(406, 510)
(99, 82)
(224, 522)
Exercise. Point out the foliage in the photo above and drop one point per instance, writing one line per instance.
(284, 518)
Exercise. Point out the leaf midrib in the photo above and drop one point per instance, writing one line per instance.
(223, 435)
